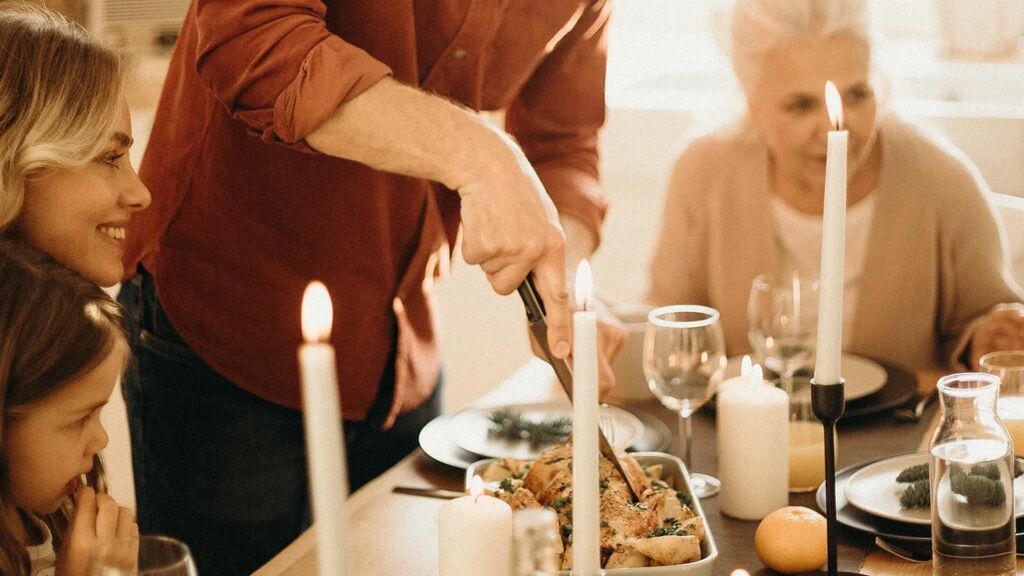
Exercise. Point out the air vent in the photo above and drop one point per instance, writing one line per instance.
(137, 24)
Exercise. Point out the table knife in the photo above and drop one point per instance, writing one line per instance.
(537, 318)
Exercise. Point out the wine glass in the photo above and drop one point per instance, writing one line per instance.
(783, 318)
(147, 556)
(684, 361)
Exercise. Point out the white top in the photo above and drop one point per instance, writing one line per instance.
(798, 238)
(42, 557)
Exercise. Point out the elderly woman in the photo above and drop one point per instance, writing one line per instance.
(66, 185)
(925, 282)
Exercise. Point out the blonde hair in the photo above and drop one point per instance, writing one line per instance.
(60, 93)
(760, 26)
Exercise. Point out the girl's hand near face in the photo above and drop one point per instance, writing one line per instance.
(97, 521)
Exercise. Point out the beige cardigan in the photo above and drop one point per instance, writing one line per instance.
(935, 255)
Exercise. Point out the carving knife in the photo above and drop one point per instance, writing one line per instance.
(537, 318)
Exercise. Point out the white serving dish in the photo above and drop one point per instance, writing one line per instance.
(672, 467)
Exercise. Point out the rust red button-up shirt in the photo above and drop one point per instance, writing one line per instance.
(245, 214)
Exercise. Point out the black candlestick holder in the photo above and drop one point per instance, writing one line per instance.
(828, 403)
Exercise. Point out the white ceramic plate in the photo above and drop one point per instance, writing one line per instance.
(863, 376)
(470, 429)
(874, 490)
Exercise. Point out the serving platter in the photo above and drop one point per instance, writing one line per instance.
(672, 467)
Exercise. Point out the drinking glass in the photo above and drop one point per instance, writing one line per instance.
(154, 556)
(684, 361)
(1008, 366)
(783, 317)
(806, 442)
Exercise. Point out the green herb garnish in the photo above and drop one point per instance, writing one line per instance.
(671, 527)
(917, 495)
(914, 473)
(980, 485)
(559, 503)
(506, 485)
(512, 425)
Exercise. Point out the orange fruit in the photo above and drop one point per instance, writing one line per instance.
(792, 540)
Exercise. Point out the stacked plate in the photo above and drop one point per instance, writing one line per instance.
(868, 499)
(463, 438)
(871, 386)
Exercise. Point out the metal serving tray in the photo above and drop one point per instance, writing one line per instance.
(671, 467)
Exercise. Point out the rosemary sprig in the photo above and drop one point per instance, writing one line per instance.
(512, 425)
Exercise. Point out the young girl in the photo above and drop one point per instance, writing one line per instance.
(62, 349)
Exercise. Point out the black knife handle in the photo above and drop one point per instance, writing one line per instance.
(535, 311)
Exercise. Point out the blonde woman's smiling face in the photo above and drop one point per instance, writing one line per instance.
(79, 215)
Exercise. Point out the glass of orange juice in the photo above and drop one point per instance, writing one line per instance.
(806, 439)
(1009, 367)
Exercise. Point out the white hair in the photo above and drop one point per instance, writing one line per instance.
(760, 26)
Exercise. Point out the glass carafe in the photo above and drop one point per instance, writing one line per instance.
(536, 540)
(971, 478)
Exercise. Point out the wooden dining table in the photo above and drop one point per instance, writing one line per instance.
(396, 534)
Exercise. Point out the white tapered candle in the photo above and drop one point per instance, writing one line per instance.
(321, 411)
(586, 551)
(833, 246)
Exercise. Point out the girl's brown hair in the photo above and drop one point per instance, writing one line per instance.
(60, 93)
(55, 326)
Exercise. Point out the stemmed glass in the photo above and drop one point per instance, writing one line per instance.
(684, 361)
(783, 328)
(148, 556)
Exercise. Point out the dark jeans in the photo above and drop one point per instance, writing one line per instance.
(222, 469)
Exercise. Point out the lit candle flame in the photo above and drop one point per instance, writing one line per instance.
(745, 366)
(584, 285)
(740, 572)
(834, 103)
(317, 313)
(757, 374)
(476, 486)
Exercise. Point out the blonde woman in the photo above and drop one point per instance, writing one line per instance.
(67, 188)
(925, 280)
(66, 185)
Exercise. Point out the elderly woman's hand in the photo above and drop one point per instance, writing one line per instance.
(1002, 328)
(611, 336)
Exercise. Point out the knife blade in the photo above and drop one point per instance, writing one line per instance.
(536, 316)
(428, 492)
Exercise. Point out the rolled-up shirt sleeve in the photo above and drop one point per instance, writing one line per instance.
(277, 68)
(559, 113)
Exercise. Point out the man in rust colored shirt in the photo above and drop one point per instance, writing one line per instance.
(339, 141)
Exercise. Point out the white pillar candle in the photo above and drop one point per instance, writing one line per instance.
(833, 246)
(474, 535)
(325, 451)
(586, 496)
(753, 446)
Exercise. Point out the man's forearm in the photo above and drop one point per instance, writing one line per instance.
(400, 129)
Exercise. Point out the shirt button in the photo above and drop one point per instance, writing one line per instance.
(459, 54)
